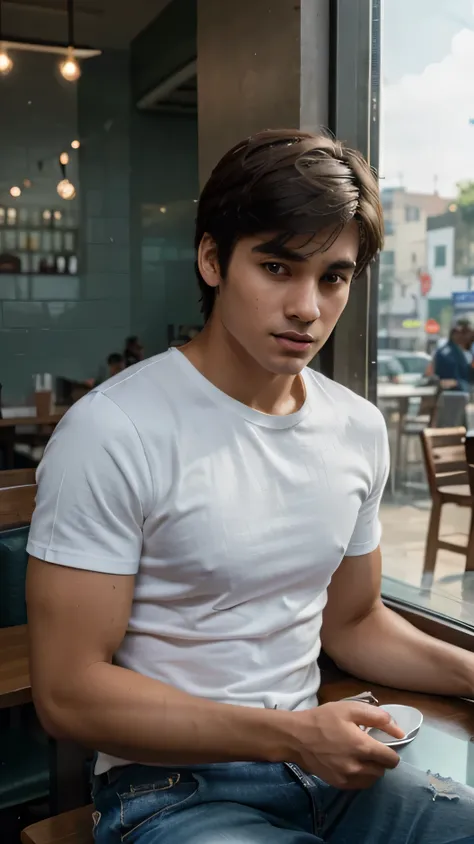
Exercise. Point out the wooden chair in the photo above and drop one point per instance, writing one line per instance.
(73, 827)
(69, 828)
(409, 426)
(17, 477)
(446, 468)
(470, 460)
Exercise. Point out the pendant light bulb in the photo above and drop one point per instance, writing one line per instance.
(70, 68)
(6, 63)
(66, 189)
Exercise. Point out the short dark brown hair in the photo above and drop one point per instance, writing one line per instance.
(289, 183)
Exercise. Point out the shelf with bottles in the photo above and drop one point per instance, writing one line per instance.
(38, 241)
(34, 218)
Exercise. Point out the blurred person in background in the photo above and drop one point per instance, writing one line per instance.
(134, 351)
(453, 361)
(115, 364)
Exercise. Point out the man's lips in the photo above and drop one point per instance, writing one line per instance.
(298, 338)
(294, 342)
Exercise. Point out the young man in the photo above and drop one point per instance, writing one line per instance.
(197, 514)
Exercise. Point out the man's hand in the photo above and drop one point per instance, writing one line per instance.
(335, 748)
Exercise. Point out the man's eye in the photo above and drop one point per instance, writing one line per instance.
(333, 278)
(275, 268)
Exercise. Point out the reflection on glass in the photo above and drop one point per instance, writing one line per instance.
(426, 294)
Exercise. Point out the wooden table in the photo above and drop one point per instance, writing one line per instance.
(445, 743)
(15, 687)
(390, 392)
(9, 424)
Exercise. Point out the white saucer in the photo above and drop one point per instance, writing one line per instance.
(408, 719)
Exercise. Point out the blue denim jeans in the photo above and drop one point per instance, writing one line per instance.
(253, 803)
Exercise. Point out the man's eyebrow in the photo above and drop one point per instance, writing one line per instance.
(344, 264)
(284, 253)
(277, 251)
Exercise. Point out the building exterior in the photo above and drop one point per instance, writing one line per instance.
(402, 298)
(450, 249)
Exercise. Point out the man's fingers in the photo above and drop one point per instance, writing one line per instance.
(380, 754)
(371, 716)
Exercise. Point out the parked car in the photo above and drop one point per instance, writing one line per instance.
(402, 367)
(415, 365)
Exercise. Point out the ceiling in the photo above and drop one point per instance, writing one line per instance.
(98, 23)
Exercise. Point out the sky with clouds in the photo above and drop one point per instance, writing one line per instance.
(428, 94)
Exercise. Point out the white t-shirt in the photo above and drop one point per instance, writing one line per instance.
(232, 520)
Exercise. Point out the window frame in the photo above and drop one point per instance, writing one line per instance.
(350, 356)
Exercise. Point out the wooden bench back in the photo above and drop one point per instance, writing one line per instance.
(17, 504)
(17, 477)
(445, 457)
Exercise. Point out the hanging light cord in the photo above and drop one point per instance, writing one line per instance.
(1, 30)
(70, 22)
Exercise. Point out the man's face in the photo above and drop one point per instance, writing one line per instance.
(463, 337)
(281, 308)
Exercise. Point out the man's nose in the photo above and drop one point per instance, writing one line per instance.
(304, 305)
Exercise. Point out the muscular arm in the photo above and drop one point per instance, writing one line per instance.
(370, 641)
(76, 621)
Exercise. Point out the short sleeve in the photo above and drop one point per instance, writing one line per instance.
(94, 490)
(367, 532)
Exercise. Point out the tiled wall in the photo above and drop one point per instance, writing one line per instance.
(164, 176)
(133, 278)
(67, 324)
(104, 111)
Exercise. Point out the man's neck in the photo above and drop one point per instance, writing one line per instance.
(218, 356)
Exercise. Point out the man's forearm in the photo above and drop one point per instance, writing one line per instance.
(384, 648)
(140, 719)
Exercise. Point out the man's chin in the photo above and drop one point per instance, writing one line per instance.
(288, 365)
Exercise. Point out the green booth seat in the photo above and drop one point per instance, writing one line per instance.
(24, 767)
(13, 562)
(24, 759)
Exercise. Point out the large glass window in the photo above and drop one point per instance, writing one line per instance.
(426, 300)
(98, 185)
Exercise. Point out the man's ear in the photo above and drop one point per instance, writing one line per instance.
(207, 261)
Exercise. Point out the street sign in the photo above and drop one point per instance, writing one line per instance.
(432, 327)
(425, 283)
(463, 301)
